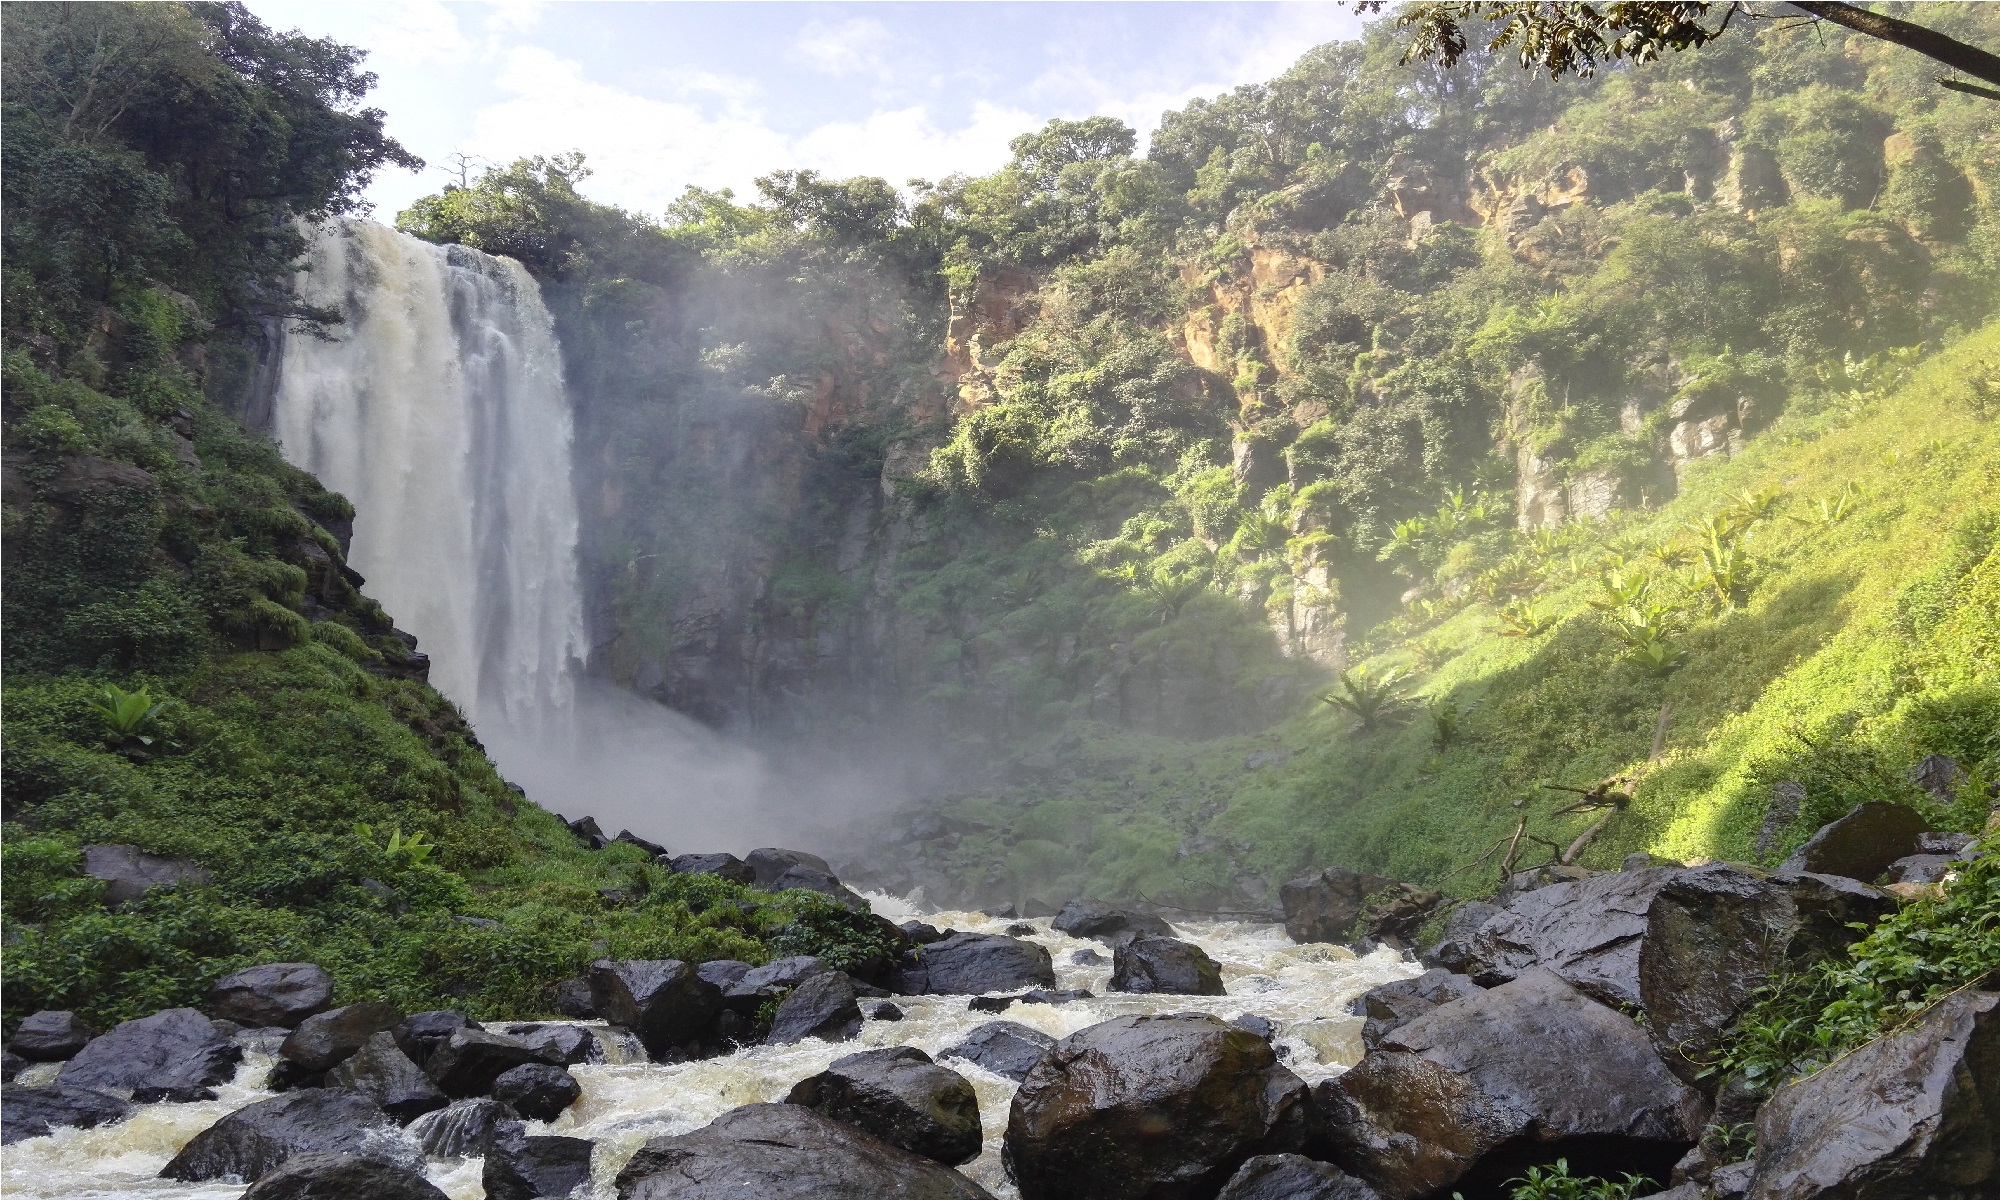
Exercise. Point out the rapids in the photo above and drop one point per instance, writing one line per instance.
(1304, 990)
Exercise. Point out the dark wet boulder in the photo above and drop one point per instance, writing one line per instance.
(990, 1004)
(325, 1040)
(1452, 951)
(461, 1129)
(174, 1048)
(1587, 931)
(966, 964)
(723, 972)
(538, 1091)
(1004, 1048)
(50, 1036)
(587, 831)
(1096, 919)
(1263, 1027)
(420, 1034)
(901, 1096)
(885, 1011)
(760, 985)
(254, 1141)
(384, 1074)
(519, 1167)
(342, 1177)
(275, 994)
(1862, 844)
(1921, 868)
(653, 849)
(1393, 1005)
(1293, 1177)
(561, 1045)
(1717, 933)
(917, 933)
(129, 873)
(1051, 996)
(1150, 1106)
(768, 864)
(1323, 907)
(28, 1112)
(1464, 1095)
(12, 1064)
(1392, 915)
(573, 998)
(471, 1061)
(662, 1000)
(727, 866)
(785, 1152)
(1909, 1116)
(1150, 965)
(824, 1007)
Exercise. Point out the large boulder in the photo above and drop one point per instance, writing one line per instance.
(823, 1007)
(1717, 933)
(768, 864)
(1394, 1005)
(461, 1129)
(901, 1096)
(474, 1059)
(538, 1091)
(1905, 1117)
(1465, 1095)
(273, 995)
(1004, 1048)
(563, 1045)
(420, 1034)
(1393, 915)
(1293, 1177)
(342, 1177)
(27, 1112)
(254, 1141)
(1159, 1107)
(383, 1073)
(1452, 951)
(1164, 965)
(325, 1040)
(175, 1050)
(1096, 919)
(967, 964)
(1323, 907)
(50, 1036)
(724, 973)
(1862, 844)
(754, 988)
(785, 1152)
(519, 1167)
(664, 1001)
(1587, 931)
(573, 998)
(727, 866)
(129, 872)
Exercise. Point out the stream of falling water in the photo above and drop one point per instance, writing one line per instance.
(1303, 990)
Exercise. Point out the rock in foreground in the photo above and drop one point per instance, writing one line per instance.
(275, 995)
(1587, 931)
(662, 1000)
(384, 1074)
(174, 1050)
(901, 1096)
(966, 964)
(1164, 965)
(342, 1177)
(1323, 907)
(519, 1167)
(29, 1112)
(785, 1152)
(254, 1141)
(823, 1007)
(1861, 844)
(50, 1036)
(1293, 1177)
(1004, 1048)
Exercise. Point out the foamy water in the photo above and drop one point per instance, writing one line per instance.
(1304, 990)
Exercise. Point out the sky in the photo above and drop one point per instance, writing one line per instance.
(659, 96)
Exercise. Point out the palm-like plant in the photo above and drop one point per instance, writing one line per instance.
(1447, 722)
(1520, 619)
(1170, 592)
(1829, 510)
(1374, 700)
(129, 717)
(402, 850)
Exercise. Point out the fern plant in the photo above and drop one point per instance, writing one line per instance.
(1519, 618)
(1829, 510)
(129, 717)
(1447, 722)
(1374, 700)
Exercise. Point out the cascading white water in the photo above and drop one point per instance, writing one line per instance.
(437, 407)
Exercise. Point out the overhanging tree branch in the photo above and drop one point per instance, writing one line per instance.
(1928, 42)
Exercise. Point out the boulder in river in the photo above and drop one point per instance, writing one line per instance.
(1587, 931)
(1393, 1005)
(383, 1073)
(461, 1129)
(727, 866)
(538, 1091)
(1150, 1106)
(1452, 951)
(325, 1040)
(50, 1036)
(663, 1001)
(1910, 1115)
(342, 1177)
(129, 872)
(760, 985)
(824, 1006)
(256, 1140)
(573, 998)
(12, 1064)
(785, 1152)
(723, 972)
(1096, 919)
(519, 1167)
(1293, 1177)
(563, 1045)
(473, 1059)
(1323, 907)
(176, 1049)
(420, 1034)
(1004, 1048)
(1166, 965)
(275, 994)
(1861, 844)
(901, 1096)
(1466, 1094)
(28, 1112)
(966, 964)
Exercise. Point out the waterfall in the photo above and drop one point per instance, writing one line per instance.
(437, 407)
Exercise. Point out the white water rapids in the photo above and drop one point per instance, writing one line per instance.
(1304, 990)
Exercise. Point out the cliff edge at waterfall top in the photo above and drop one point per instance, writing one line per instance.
(629, 600)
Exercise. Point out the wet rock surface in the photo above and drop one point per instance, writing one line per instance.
(29, 1112)
(420, 1034)
(176, 1048)
(129, 873)
(1393, 1005)
(520, 1167)
(563, 1045)
(899, 1095)
(1164, 965)
(538, 1091)
(1004, 1048)
(966, 964)
(50, 1036)
(823, 1007)
(662, 1000)
(1293, 1177)
(255, 1140)
(275, 994)
(1323, 907)
(1587, 931)
(342, 1177)
(1096, 919)
(757, 985)
(728, 866)
(384, 1074)
(1861, 844)
(461, 1129)
(324, 1041)
(472, 1060)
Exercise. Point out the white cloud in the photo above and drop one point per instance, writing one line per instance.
(421, 33)
(514, 16)
(851, 47)
(905, 143)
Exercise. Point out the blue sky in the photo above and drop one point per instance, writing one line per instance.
(660, 96)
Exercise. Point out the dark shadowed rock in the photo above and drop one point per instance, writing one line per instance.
(1004, 1048)
(519, 1167)
(589, 832)
(1393, 1005)
(823, 882)
(1293, 1177)
(662, 1000)
(1252, 1023)
(472, 1059)
(901, 1096)
(1049, 996)
(990, 1004)
(723, 972)
(759, 985)
(632, 839)
(1587, 932)
(174, 1048)
(1096, 919)
(920, 934)
(275, 994)
(129, 873)
(885, 1011)
(12, 1064)
(1905, 1117)
(420, 1034)
(1086, 957)
(254, 1141)
(538, 1091)
(785, 1152)
(1453, 950)
(1862, 844)
(1922, 868)
(27, 1112)
(1465, 1095)
(966, 964)
(50, 1036)
(824, 1006)
(728, 866)
(1164, 965)
(573, 998)
(562, 1045)
(1717, 933)
(1323, 907)
(342, 1177)
(768, 864)
(384, 1074)
(461, 1129)
(1392, 916)
(1150, 1106)
(324, 1041)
